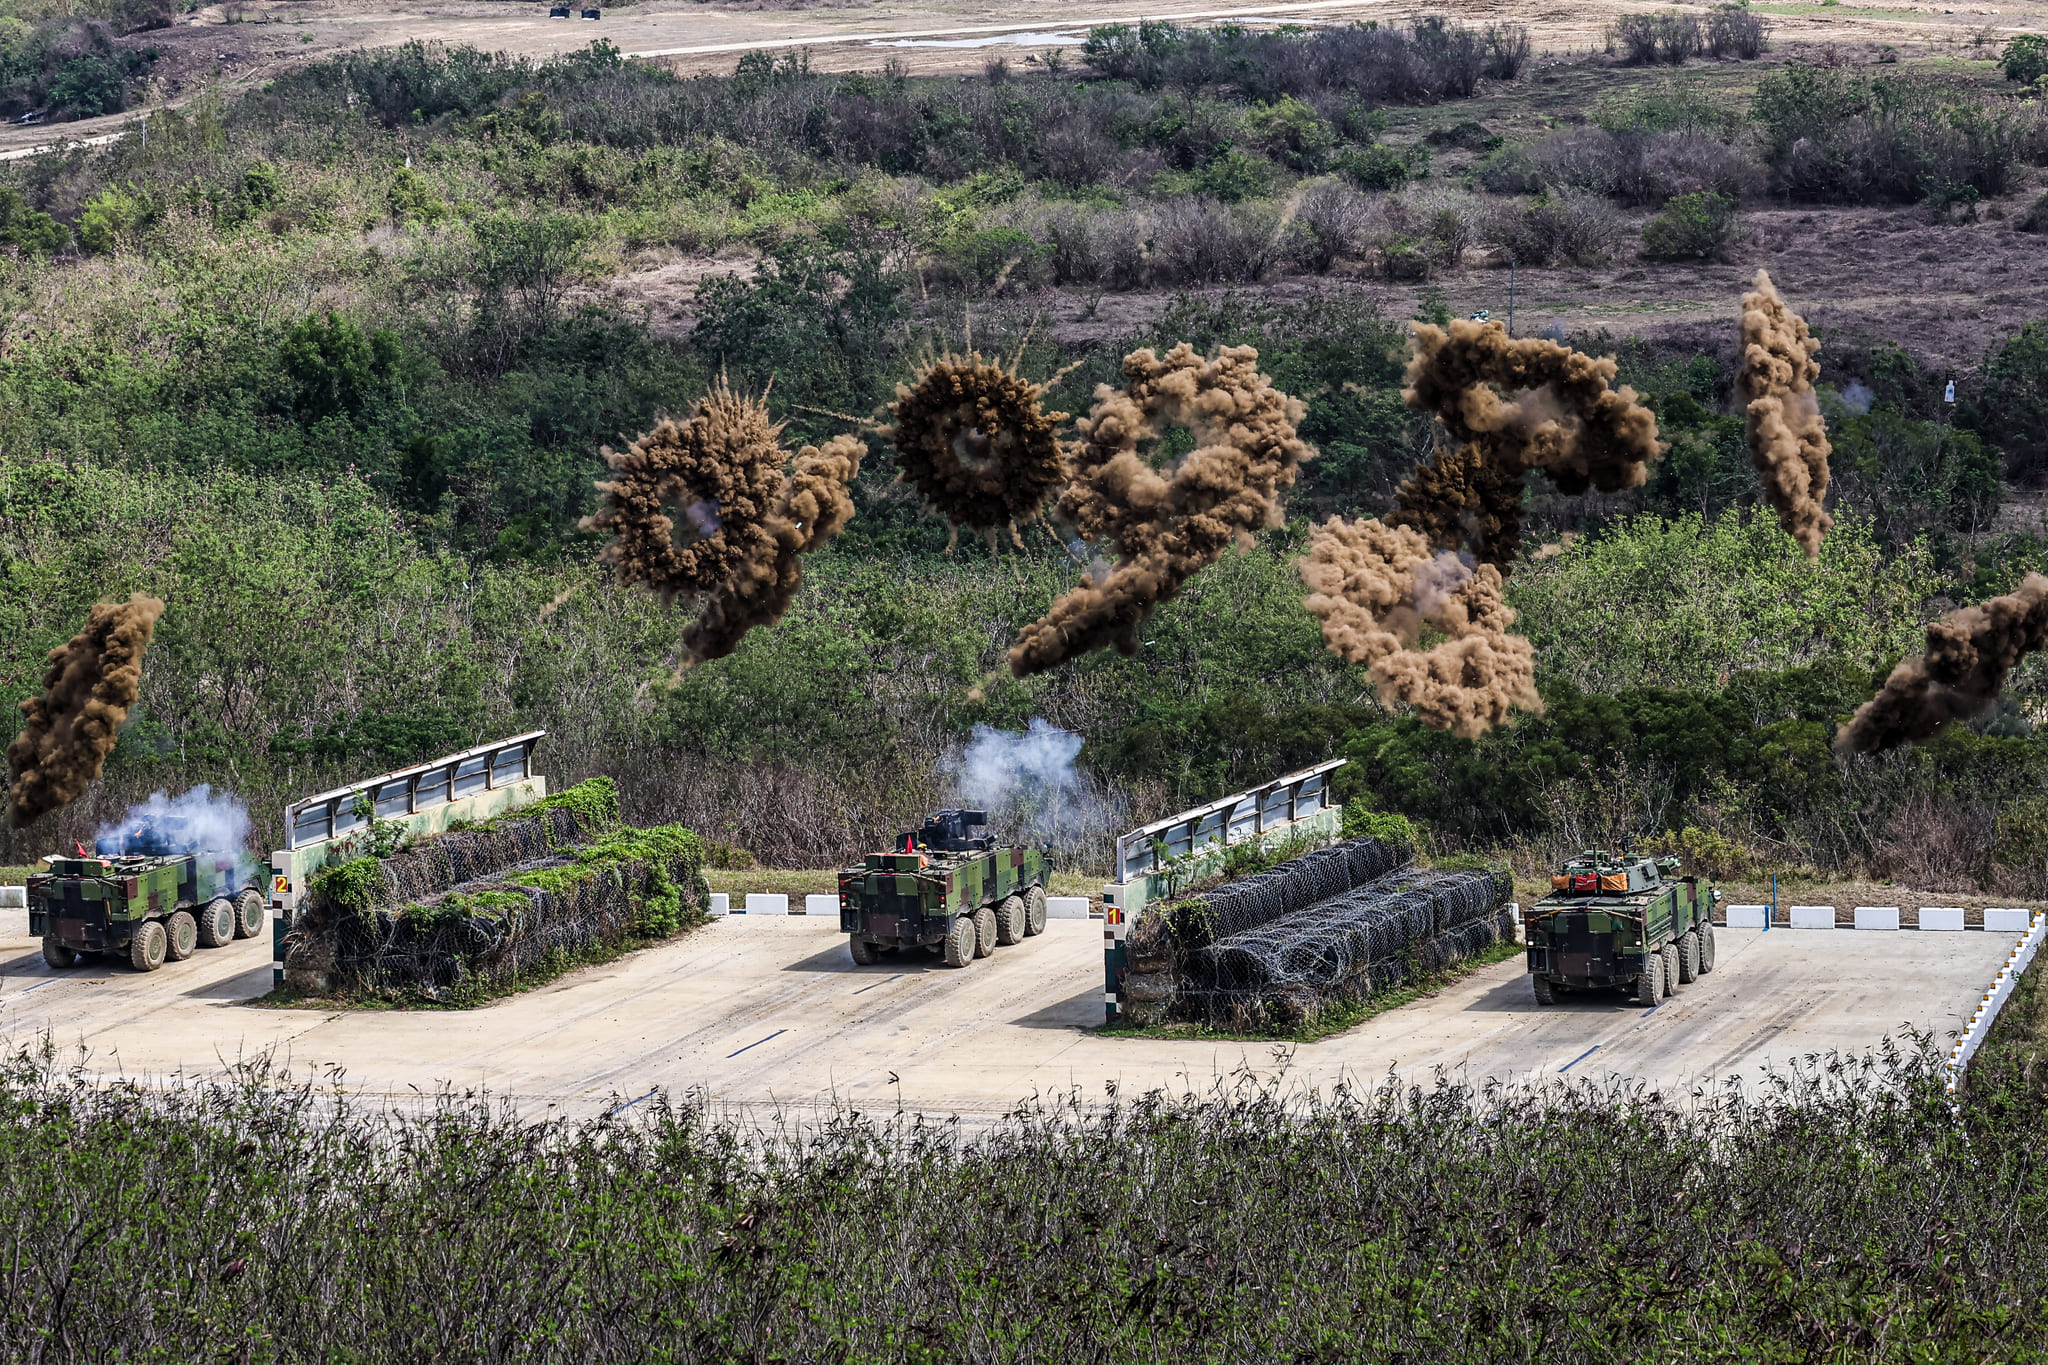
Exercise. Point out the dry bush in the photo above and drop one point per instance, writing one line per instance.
(1581, 229)
(1330, 224)
(1199, 241)
(1075, 154)
(1736, 31)
(1935, 844)
(1638, 168)
(1090, 246)
(1447, 222)
(1507, 50)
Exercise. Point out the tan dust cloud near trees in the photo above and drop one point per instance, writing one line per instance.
(1510, 405)
(1969, 654)
(68, 731)
(1165, 526)
(974, 441)
(1788, 441)
(744, 519)
(1374, 587)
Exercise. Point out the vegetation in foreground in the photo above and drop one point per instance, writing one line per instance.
(1841, 1212)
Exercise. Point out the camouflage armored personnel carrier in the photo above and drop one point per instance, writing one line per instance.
(1630, 923)
(943, 887)
(146, 907)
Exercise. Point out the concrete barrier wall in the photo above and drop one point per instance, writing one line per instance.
(1066, 907)
(1946, 919)
(13, 898)
(1813, 917)
(1994, 999)
(761, 903)
(1748, 916)
(1932, 918)
(821, 905)
(721, 905)
(2007, 921)
(1877, 917)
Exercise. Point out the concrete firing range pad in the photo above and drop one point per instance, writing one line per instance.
(755, 1010)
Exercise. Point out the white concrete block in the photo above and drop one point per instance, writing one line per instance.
(1945, 919)
(1748, 916)
(1066, 907)
(13, 898)
(1813, 917)
(2007, 921)
(762, 903)
(821, 905)
(721, 904)
(1877, 917)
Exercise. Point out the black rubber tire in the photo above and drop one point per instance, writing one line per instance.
(959, 945)
(864, 953)
(1689, 958)
(1034, 912)
(146, 949)
(1671, 977)
(1650, 985)
(984, 931)
(1010, 921)
(182, 935)
(216, 923)
(56, 954)
(250, 911)
(1706, 950)
(1544, 994)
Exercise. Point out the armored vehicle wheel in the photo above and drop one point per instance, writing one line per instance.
(216, 923)
(146, 949)
(1010, 921)
(249, 908)
(1650, 985)
(1706, 950)
(865, 954)
(1034, 910)
(984, 931)
(56, 954)
(1544, 994)
(959, 946)
(183, 932)
(1671, 977)
(1689, 958)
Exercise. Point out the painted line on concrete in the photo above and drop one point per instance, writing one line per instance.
(1580, 1058)
(622, 1108)
(865, 989)
(756, 1043)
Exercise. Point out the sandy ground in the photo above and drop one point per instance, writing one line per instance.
(754, 1010)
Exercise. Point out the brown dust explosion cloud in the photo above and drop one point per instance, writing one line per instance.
(68, 731)
(747, 520)
(1166, 526)
(1374, 587)
(1788, 441)
(973, 441)
(1566, 418)
(1969, 653)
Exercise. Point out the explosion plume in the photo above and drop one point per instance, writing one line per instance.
(1166, 526)
(1788, 441)
(972, 439)
(68, 731)
(1374, 587)
(746, 519)
(1969, 653)
(1567, 419)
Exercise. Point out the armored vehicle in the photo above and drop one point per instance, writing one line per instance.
(147, 907)
(942, 886)
(1630, 923)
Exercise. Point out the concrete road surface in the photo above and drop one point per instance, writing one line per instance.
(756, 1009)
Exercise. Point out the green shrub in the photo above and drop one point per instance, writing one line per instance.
(1233, 176)
(2012, 413)
(1691, 227)
(1293, 134)
(34, 232)
(1380, 167)
(411, 199)
(109, 218)
(2025, 58)
(1363, 822)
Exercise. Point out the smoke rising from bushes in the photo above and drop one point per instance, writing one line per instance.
(1969, 654)
(749, 520)
(1374, 587)
(1788, 441)
(1166, 527)
(68, 731)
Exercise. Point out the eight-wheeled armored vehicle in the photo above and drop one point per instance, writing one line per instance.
(131, 899)
(942, 886)
(1625, 922)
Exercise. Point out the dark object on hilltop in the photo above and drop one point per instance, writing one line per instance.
(1969, 653)
(973, 441)
(1627, 924)
(68, 731)
(943, 887)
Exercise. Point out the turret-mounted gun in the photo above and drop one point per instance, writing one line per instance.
(946, 832)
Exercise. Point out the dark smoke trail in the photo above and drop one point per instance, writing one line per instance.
(68, 731)
(1567, 419)
(1166, 527)
(749, 521)
(1969, 653)
(1374, 587)
(972, 439)
(1788, 441)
